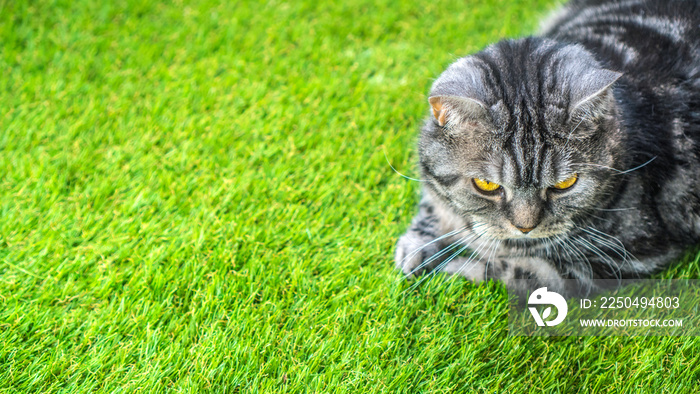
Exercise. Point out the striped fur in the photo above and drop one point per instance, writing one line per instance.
(610, 92)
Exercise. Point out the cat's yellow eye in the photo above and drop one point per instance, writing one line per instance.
(485, 186)
(566, 183)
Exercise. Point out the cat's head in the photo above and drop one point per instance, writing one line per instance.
(522, 137)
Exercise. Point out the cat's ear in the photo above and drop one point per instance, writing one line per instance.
(457, 110)
(458, 95)
(591, 93)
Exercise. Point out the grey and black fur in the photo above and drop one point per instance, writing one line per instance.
(610, 93)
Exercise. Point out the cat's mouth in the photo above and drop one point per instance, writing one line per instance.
(526, 243)
(544, 232)
(532, 235)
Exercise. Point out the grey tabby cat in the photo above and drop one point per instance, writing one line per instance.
(572, 155)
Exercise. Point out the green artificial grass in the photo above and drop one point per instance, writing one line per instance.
(195, 197)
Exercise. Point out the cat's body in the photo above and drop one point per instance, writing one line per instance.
(572, 155)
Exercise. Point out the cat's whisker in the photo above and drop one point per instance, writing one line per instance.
(452, 257)
(474, 255)
(477, 162)
(471, 238)
(614, 248)
(440, 253)
(567, 266)
(478, 236)
(432, 258)
(619, 172)
(488, 260)
(551, 246)
(576, 255)
(587, 211)
(638, 167)
(439, 267)
(613, 243)
(568, 138)
(604, 257)
(416, 251)
(396, 171)
(607, 235)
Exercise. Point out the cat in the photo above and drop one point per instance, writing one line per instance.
(572, 155)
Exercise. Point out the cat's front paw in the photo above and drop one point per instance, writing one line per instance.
(415, 254)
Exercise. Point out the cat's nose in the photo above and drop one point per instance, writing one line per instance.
(525, 210)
